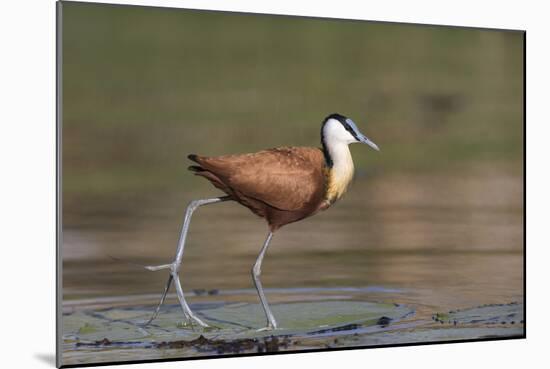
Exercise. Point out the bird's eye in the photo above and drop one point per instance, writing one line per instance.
(349, 128)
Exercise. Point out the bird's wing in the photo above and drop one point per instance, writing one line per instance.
(286, 178)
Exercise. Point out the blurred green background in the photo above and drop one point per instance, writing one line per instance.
(439, 209)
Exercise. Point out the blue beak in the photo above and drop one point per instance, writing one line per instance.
(359, 136)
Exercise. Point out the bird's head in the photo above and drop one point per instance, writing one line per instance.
(338, 129)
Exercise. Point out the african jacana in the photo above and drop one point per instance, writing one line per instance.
(282, 185)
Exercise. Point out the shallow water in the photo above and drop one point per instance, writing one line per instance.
(313, 318)
(446, 243)
(452, 239)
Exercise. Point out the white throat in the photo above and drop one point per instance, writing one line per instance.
(342, 162)
(336, 140)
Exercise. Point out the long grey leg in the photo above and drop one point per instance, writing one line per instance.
(162, 298)
(176, 264)
(256, 272)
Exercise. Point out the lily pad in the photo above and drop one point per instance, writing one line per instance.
(228, 321)
(305, 317)
(442, 334)
(87, 328)
(511, 313)
(318, 320)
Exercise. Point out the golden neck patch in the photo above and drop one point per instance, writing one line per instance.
(338, 179)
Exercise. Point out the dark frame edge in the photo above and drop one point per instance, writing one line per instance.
(58, 184)
(525, 184)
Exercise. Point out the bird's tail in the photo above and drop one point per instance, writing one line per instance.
(195, 168)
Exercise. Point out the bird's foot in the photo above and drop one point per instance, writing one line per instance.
(271, 326)
(193, 323)
(194, 320)
(190, 318)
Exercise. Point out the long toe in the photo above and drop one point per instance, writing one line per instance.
(154, 268)
(267, 328)
(199, 322)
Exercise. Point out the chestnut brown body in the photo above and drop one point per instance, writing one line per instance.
(282, 185)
